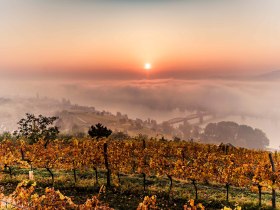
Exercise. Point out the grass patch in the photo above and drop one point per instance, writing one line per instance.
(129, 192)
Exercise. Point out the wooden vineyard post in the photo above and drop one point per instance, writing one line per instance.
(31, 175)
(107, 164)
(273, 199)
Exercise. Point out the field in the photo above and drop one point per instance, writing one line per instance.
(175, 172)
(130, 193)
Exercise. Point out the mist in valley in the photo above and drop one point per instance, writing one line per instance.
(249, 101)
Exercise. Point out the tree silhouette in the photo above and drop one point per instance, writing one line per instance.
(239, 135)
(33, 128)
(99, 131)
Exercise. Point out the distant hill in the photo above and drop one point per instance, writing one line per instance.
(273, 75)
(73, 118)
(77, 119)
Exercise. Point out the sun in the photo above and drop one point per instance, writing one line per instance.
(147, 66)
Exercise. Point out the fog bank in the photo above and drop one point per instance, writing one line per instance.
(255, 103)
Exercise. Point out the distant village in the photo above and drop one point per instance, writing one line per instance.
(75, 119)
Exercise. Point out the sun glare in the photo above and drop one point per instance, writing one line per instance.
(147, 66)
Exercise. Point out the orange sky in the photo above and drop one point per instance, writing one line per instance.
(123, 35)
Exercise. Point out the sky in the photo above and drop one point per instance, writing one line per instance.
(115, 38)
(205, 54)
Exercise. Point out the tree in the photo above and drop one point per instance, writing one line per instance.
(240, 135)
(167, 128)
(33, 128)
(99, 131)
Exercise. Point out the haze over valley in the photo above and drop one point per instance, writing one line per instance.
(252, 101)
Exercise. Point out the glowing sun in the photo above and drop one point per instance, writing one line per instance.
(147, 66)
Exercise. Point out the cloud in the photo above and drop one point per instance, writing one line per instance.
(222, 97)
(255, 99)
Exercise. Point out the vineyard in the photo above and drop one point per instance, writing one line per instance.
(135, 168)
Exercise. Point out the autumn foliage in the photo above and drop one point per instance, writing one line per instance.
(196, 163)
